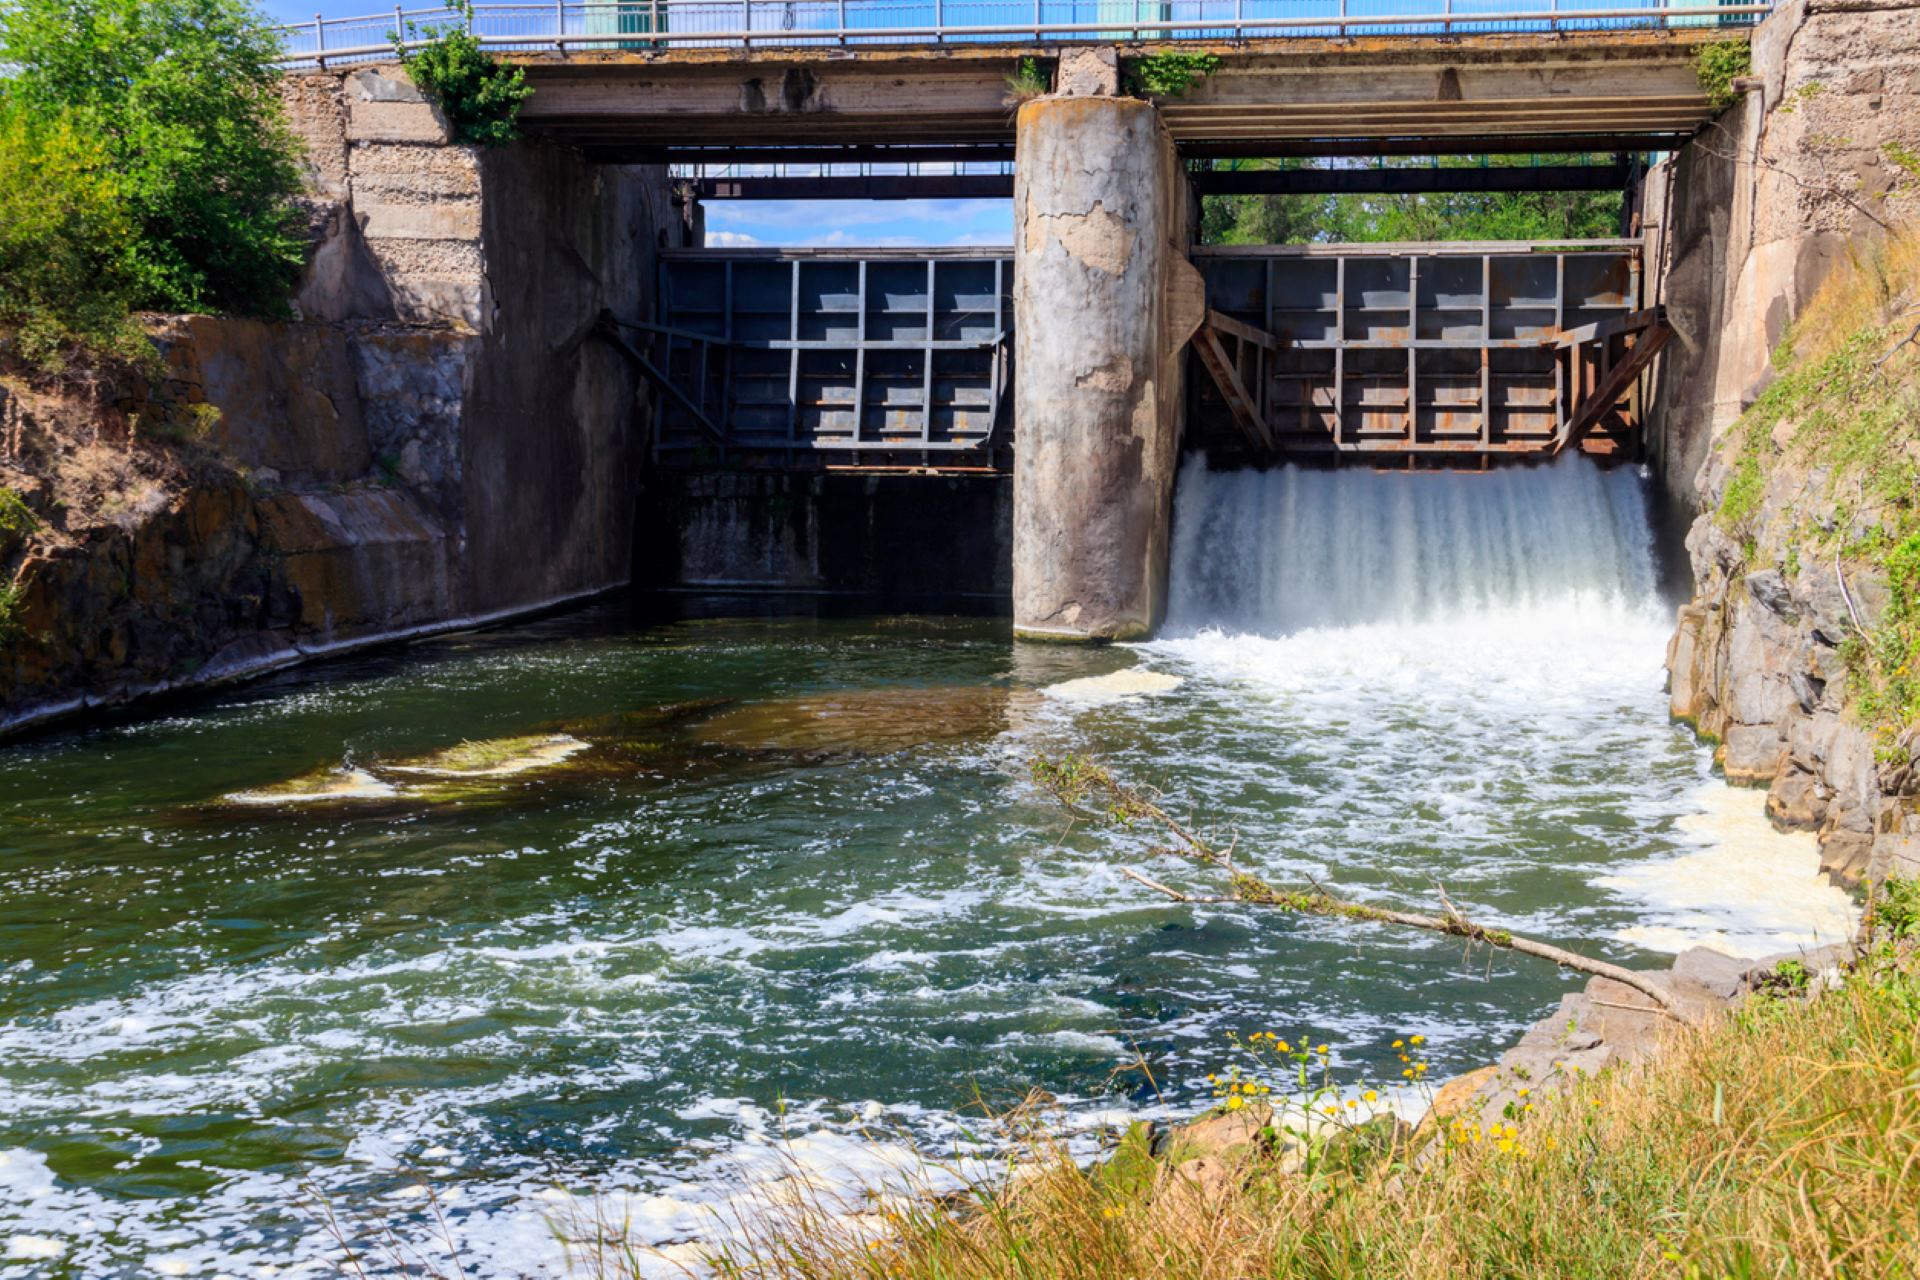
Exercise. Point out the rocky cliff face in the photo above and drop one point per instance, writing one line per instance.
(1806, 177)
(1757, 664)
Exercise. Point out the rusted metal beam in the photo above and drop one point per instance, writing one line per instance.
(1613, 385)
(1213, 355)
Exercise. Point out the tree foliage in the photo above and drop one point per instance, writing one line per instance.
(177, 104)
(66, 238)
(1518, 215)
(479, 95)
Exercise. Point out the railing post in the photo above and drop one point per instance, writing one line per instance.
(1343, 19)
(1239, 7)
(319, 41)
(939, 22)
(560, 26)
(399, 26)
(468, 23)
(1554, 22)
(1036, 20)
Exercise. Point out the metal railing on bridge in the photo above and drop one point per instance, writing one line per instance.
(642, 25)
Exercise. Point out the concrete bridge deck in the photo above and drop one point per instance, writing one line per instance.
(632, 81)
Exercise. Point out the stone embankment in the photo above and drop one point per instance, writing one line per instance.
(434, 439)
(1806, 173)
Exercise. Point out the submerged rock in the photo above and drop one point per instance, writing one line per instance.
(493, 757)
(860, 721)
(322, 786)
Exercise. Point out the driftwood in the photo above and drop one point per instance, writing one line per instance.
(1074, 780)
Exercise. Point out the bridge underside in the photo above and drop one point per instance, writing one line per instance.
(1573, 91)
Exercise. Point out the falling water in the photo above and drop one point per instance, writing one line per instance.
(1272, 552)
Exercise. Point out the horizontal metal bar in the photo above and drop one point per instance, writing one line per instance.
(900, 186)
(1405, 181)
(1208, 28)
(1400, 249)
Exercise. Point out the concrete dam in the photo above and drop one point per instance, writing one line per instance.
(562, 735)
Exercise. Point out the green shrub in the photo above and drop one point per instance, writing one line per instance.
(180, 99)
(1718, 65)
(1168, 75)
(1029, 80)
(66, 240)
(9, 614)
(479, 96)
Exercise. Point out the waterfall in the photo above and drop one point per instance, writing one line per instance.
(1276, 552)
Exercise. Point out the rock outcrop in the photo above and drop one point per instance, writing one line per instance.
(1811, 169)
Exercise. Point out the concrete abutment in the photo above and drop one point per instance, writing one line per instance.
(1101, 228)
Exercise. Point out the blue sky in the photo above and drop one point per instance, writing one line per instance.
(868, 223)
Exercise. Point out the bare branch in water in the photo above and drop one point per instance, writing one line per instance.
(1079, 785)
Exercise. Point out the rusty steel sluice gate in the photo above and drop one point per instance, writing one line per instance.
(1379, 354)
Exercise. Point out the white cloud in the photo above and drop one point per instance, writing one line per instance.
(730, 240)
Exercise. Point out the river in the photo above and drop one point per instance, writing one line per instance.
(733, 890)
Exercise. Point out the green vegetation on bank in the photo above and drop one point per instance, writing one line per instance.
(145, 164)
(479, 95)
(1844, 412)
(1504, 215)
(1783, 1140)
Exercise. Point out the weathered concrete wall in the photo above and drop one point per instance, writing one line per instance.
(437, 439)
(1745, 222)
(1749, 220)
(893, 536)
(1101, 228)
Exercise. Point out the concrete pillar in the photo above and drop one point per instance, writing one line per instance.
(1100, 234)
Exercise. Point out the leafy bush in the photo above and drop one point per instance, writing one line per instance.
(479, 96)
(1718, 65)
(1168, 75)
(67, 241)
(181, 99)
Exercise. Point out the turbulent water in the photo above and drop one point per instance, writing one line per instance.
(777, 894)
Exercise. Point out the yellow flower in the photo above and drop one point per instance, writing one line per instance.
(1399, 1044)
(1506, 1144)
(1370, 1096)
(1408, 1073)
(1351, 1104)
(1525, 1092)
(1331, 1110)
(1235, 1103)
(1320, 1049)
(1283, 1046)
(1416, 1039)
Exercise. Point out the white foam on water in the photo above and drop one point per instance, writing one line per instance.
(1115, 686)
(1747, 889)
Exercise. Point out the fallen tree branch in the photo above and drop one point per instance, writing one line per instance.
(1075, 779)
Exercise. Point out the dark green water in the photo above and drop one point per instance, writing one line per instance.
(617, 976)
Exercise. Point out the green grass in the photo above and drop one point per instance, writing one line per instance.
(1783, 1140)
(1846, 406)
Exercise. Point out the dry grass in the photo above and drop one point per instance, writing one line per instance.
(1784, 1141)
